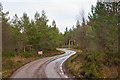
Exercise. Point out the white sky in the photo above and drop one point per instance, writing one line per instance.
(64, 12)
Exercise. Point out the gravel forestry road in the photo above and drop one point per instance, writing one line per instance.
(49, 67)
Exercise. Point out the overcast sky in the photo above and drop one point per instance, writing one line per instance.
(64, 12)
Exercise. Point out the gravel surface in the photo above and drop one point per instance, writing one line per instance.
(50, 67)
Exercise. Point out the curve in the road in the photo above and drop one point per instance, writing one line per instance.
(50, 67)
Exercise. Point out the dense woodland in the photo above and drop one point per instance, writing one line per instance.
(23, 34)
(96, 36)
(100, 32)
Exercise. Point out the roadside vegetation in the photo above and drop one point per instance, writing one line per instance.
(12, 60)
(23, 37)
(98, 40)
(92, 65)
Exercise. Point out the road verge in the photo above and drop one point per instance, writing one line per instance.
(12, 63)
